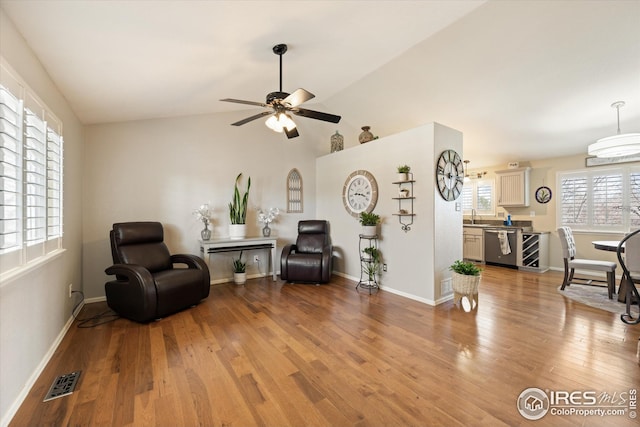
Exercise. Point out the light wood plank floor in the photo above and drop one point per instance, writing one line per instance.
(274, 354)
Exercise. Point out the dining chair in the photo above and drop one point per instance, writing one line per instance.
(571, 263)
(630, 263)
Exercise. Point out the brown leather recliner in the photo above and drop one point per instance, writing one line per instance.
(148, 286)
(310, 259)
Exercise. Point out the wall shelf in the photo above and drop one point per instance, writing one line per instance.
(405, 203)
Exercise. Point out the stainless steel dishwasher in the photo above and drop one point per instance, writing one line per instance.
(492, 248)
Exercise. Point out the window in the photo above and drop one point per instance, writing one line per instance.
(478, 195)
(600, 200)
(31, 154)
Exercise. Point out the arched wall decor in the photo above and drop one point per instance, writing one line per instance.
(294, 192)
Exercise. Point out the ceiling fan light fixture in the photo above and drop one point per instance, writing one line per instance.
(621, 144)
(274, 124)
(279, 121)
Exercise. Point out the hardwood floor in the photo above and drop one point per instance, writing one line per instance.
(274, 354)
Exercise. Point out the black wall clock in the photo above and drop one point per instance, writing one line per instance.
(543, 194)
(449, 175)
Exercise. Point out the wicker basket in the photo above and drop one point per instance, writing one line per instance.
(465, 285)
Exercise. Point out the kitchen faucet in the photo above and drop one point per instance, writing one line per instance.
(473, 216)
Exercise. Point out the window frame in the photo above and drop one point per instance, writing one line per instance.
(626, 208)
(40, 175)
(474, 184)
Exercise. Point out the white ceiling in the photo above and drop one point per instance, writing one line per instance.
(130, 60)
(517, 85)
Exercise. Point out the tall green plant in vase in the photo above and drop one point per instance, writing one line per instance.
(238, 210)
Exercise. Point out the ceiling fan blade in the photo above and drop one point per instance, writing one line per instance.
(249, 119)
(316, 115)
(298, 97)
(240, 101)
(291, 133)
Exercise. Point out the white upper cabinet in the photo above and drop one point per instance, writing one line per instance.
(512, 187)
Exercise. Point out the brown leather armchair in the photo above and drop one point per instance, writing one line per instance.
(148, 286)
(310, 259)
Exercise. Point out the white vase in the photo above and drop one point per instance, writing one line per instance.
(239, 278)
(237, 231)
(369, 230)
(402, 177)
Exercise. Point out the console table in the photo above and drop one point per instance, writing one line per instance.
(213, 246)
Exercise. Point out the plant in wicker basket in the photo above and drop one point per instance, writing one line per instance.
(464, 281)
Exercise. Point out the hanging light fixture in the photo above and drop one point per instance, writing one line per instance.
(466, 171)
(279, 121)
(621, 144)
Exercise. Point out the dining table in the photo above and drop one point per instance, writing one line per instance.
(612, 246)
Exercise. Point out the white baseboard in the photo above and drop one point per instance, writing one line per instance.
(8, 416)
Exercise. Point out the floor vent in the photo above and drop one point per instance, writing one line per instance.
(63, 386)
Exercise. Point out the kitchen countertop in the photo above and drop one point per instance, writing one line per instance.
(525, 226)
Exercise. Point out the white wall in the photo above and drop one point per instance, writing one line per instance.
(35, 308)
(161, 170)
(417, 260)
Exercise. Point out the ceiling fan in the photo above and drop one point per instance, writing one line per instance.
(281, 103)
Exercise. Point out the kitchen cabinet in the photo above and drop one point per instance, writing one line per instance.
(473, 243)
(512, 187)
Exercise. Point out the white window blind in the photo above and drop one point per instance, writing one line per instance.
(634, 199)
(573, 206)
(54, 183)
(478, 195)
(35, 186)
(600, 200)
(31, 175)
(10, 171)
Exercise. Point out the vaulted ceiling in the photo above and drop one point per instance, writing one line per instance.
(521, 79)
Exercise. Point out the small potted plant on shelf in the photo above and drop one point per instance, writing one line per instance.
(238, 211)
(369, 221)
(239, 271)
(465, 278)
(403, 172)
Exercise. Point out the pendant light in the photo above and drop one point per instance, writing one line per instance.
(621, 144)
(467, 178)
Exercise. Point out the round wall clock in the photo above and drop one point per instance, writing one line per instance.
(449, 175)
(543, 194)
(360, 193)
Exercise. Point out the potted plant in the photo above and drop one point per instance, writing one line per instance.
(369, 221)
(239, 271)
(403, 172)
(238, 211)
(372, 261)
(465, 278)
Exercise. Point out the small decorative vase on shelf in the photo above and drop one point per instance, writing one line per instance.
(337, 142)
(205, 233)
(365, 136)
(266, 231)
